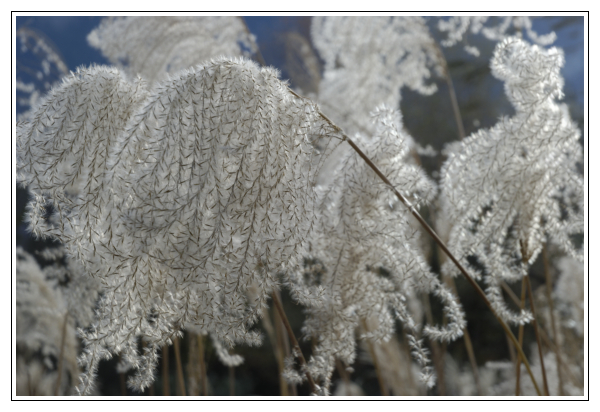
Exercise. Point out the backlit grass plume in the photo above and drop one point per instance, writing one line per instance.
(177, 199)
(509, 189)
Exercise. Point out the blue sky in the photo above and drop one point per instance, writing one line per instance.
(69, 35)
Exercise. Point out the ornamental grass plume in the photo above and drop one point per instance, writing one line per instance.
(367, 256)
(507, 190)
(155, 46)
(456, 28)
(367, 60)
(186, 191)
(177, 205)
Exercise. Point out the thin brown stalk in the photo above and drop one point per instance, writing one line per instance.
(281, 347)
(165, 371)
(231, 381)
(123, 384)
(202, 366)
(472, 360)
(30, 388)
(527, 285)
(284, 342)
(455, 109)
(180, 379)
(61, 355)
(294, 341)
(521, 332)
(561, 389)
(280, 352)
(274, 338)
(258, 54)
(193, 368)
(511, 294)
(382, 385)
(544, 336)
(342, 371)
(453, 99)
(451, 91)
(151, 390)
(293, 391)
(511, 351)
(537, 335)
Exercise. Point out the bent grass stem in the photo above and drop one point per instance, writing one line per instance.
(293, 340)
(61, 356)
(180, 379)
(521, 331)
(537, 335)
(561, 390)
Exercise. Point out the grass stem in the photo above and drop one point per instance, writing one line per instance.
(544, 335)
(165, 371)
(294, 341)
(231, 381)
(537, 335)
(203, 377)
(280, 351)
(561, 389)
(521, 333)
(61, 355)
(180, 379)
(468, 343)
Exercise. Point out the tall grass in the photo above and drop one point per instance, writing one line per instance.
(188, 190)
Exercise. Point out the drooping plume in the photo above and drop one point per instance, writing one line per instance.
(178, 204)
